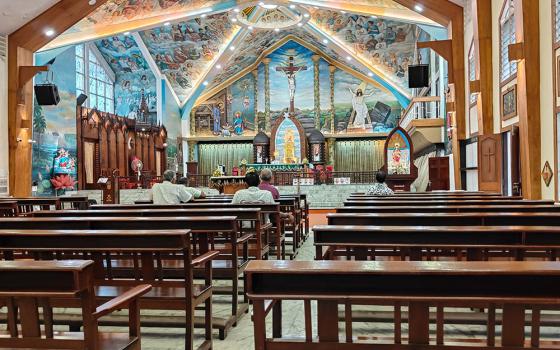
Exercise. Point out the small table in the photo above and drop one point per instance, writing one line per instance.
(228, 184)
(276, 167)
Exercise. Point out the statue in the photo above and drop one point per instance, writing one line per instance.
(291, 70)
(360, 112)
(238, 123)
(289, 147)
(217, 116)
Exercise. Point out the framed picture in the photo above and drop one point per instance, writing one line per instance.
(509, 103)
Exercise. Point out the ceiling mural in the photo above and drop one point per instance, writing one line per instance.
(184, 51)
(388, 45)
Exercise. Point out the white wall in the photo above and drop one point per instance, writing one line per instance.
(4, 151)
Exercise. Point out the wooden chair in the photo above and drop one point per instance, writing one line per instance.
(26, 286)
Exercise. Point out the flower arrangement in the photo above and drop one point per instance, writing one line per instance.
(62, 183)
(305, 161)
(243, 162)
(217, 172)
(251, 170)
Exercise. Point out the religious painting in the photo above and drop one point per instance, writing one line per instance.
(509, 103)
(388, 45)
(171, 118)
(547, 173)
(316, 153)
(184, 51)
(361, 107)
(398, 154)
(135, 83)
(288, 142)
(54, 131)
(241, 105)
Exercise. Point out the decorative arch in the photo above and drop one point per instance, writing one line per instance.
(282, 128)
(399, 163)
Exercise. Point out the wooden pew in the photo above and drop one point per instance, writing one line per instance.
(538, 208)
(513, 287)
(28, 204)
(446, 219)
(425, 202)
(9, 209)
(431, 198)
(206, 225)
(432, 242)
(28, 285)
(272, 210)
(124, 258)
(438, 193)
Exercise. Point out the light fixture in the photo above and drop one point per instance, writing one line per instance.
(203, 15)
(325, 41)
(373, 16)
(342, 11)
(92, 2)
(234, 20)
(267, 6)
(167, 24)
(276, 29)
(306, 15)
(231, 48)
(49, 32)
(205, 83)
(126, 33)
(292, 6)
(218, 66)
(236, 10)
(370, 74)
(250, 27)
(348, 58)
(31, 141)
(300, 24)
(418, 8)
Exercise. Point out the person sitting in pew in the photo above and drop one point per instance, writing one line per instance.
(380, 188)
(195, 192)
(168, 192)
(266, 177)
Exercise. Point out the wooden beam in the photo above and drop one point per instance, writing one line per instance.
(528, 96)
(442, 48)
(516, 52)
(21, 46)
(474, 86)
(482, 34)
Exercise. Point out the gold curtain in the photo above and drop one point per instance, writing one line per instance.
(210, 155)
(359, 155)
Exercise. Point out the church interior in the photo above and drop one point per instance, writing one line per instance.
(279, 174)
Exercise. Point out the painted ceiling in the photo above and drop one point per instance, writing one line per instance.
(200, 45)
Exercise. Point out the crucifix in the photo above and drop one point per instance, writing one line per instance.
(291, 70)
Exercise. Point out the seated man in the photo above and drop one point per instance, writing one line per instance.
(380, 188)
(252, 194)
(266, 177)
(195, 192)
(169, 193)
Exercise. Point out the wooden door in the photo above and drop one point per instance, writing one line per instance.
(515, 164)
(439, 173)
(490, 163)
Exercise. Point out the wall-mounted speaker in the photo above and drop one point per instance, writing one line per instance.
(47, 94)
(81, 99)
(418, 76)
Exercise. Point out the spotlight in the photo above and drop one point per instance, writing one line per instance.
(348, 58)
(370, 74)
(49, 32)
(419, 8)
(231, 48)
(92, 2)
(342, 11)
(306, 15)
(276, 29)
(203, 15)
(236, 10)
(126, 33)
(292, 6)
(325, 41)
(234, 20)
(250, 27)
(167, 24)
(205, 83)
(300, 24)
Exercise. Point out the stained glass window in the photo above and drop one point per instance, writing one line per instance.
(93, 80)
(507, 31)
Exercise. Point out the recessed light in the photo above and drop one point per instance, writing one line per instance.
(299, 24)
(306, 15)
(49, 32)
(236, 10)
(205, 83)
(92, 2)
(292, 6)
(218, 66)
(126, 33)
(276, 29)
(373, 16)
(203, 15)
(325, 41)
(167, 24)
(370, 74)
(342, 11)
(234, 20)
(348, 58)
(232, 48)
(250, 27)
(418, 7)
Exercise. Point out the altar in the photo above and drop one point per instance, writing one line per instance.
(228, 184)
(276, 167)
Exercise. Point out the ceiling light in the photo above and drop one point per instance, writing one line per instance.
(218, 66)
(205, 83)
(325, 41)
(348, 58)
(292, 6)
(373, 16)
(370, 74)
(276, 29)
(234, 20)
(250, 27)
(299, 24)
(342, 11)
(203, 15)
(306, 15)
(167, 24)
(92, 2)
(232, 48)
(126, 33)
(236, 10)
(49, 32)
(316, 7)
(419, 8)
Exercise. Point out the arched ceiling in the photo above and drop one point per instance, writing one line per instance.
(201, 45)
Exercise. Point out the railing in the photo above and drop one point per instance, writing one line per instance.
(133, 182)
(320, 177)
(426, 107)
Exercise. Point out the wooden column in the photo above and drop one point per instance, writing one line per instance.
(316, 91)
(528, 95)
(21, 46)
(482, 33)
(266, 62)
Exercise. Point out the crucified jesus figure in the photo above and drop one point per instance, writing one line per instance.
(291, 70)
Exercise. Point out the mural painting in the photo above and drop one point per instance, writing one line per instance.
(171, 118)
(135, 83)
(398, 154)
(54, 132)
(183, 51)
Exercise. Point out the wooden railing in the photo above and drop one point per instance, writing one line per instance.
(426, 107)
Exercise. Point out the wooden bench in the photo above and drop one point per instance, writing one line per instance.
(432, 198)
(433, 242)
(425, 202)
(438, 193)
(538, 208)
(512, 287)
(26, 286)
(206, 225)
(9, 209)
(446, 219)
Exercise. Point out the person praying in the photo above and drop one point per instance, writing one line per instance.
(168, 192)
(195, 192)
(252, 194)
(266, 177)
(380, 188)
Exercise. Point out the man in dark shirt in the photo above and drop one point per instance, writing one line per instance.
(266, 177)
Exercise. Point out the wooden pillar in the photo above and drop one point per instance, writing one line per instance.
(332, 69)
(482, 33)
(266, 62)
(528, 94)
(316, 91)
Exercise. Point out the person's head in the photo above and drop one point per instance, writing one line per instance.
(359, 92)
(183, 181)
(169, 175)
(380, 176)
(266, 175)
(252, 179)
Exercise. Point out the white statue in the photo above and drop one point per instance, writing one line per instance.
(360, 111)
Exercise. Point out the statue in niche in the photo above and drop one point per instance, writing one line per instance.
(289, 147)
(238, 123)
(360, 113)
(217, 117)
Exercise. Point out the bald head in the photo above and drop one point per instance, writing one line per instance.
(266, 175)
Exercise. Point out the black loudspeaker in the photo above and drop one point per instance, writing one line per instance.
(81, 99)
(418, 76)
(47, 94)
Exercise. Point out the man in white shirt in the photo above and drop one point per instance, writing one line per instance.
(169, 193)
(252, 194)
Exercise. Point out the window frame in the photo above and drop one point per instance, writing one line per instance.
(507, 14)
(472, 73)
(90, 50)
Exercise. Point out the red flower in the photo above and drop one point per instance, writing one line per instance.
(63, 182)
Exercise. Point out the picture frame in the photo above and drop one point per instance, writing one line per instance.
(509, 103)
(547, 173)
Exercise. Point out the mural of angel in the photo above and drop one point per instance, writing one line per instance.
(360, 110)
